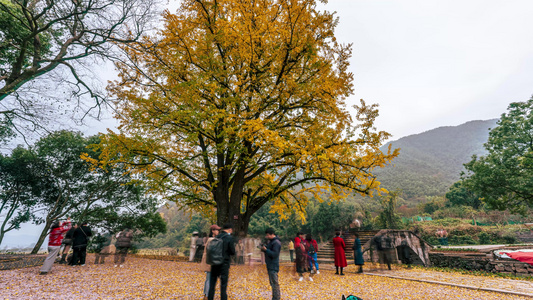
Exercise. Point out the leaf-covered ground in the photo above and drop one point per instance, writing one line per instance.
(155, 279)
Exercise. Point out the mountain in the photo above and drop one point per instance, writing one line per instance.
(430, 162)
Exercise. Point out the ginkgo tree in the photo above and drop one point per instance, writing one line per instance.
(237, 103)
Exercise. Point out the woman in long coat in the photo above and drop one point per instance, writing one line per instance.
(340, 256)
(358, 253)
(302, 263)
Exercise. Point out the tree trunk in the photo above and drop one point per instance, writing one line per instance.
(44, 233)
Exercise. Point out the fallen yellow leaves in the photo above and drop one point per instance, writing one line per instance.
(154, 279)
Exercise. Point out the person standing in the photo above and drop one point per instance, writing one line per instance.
(388, 250)
(291, 250)
(405, 251)
(67, 242)
(54, 243)
(101, 244)
(214, 230)
(192, 251)
(340, 255)
(200, 245)
(222, 270)
(312, 249)
(79, 244)
(302, 262)
(272, 250)
(122, 245)
(358, 253)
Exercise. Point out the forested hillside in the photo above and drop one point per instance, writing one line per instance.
(430, 162)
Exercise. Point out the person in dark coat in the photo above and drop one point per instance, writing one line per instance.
(358, 253)
(123, 244)
(272, 250)
(67, 243)
(222, 270)
(80, 239)
(340, 255)
(405, 252)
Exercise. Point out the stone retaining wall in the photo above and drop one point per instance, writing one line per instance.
(480, 262)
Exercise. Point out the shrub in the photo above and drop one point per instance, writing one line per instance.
(484, 238)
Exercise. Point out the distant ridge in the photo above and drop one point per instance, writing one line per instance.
(430, 162)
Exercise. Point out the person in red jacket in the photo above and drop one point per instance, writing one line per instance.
(54, 243)
(340, 256)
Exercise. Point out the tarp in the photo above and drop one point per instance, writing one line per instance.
(523, 255)
(526, 257)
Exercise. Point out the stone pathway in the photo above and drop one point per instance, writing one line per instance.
(481, 283)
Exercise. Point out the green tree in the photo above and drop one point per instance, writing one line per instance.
(504, 177)
(459, 194)
(17, 189)
(388, 218)
(69, 186)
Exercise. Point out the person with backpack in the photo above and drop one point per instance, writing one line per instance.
(80, 239)
(214, 230)
(340, 255)
(312, 249)
(272, 250)
(54, 243)
(122, 246)
(219, 255)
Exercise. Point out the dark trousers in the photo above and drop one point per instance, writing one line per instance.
(273, 278)
(78, 255)
(291, 252)
(221, 271)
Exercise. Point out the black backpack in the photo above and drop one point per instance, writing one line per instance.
(215, 252)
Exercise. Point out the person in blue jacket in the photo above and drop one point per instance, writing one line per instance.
(272, 250)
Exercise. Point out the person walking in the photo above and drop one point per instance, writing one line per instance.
(358, 253)
(272, 250)
(123, 244)
(79, 244)
(214, 230)
(312, 249)
(340, 255)
(54, 243)
(302, 262)
(222, 270)
(192, 251)
(291, 250)
(101, 244)
(200, 245)
(405, 251)
(67, 243)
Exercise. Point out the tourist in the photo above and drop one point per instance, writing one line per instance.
(214, 230)
(122, 245)
(358, 253)
(101, 244)
(388, 250)
(291, 250)
(200, 244)
(192, 250)
(67, 243)
(340, 255)
(312, 249)
(79, 244)
(272, 250)
(222, 270)
(302, 262)
(54, 243)
(249, 249)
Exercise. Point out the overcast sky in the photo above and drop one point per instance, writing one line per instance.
(430, 63)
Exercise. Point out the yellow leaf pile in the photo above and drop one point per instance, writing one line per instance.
(155, 279)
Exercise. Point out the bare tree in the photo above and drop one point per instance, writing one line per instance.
(40, 36)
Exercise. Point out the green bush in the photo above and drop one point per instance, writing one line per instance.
(484, 238)
(461, 240)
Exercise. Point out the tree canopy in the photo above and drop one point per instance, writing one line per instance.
(504, 177)
(234, 104)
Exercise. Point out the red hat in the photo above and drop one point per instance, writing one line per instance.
(214, 227)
